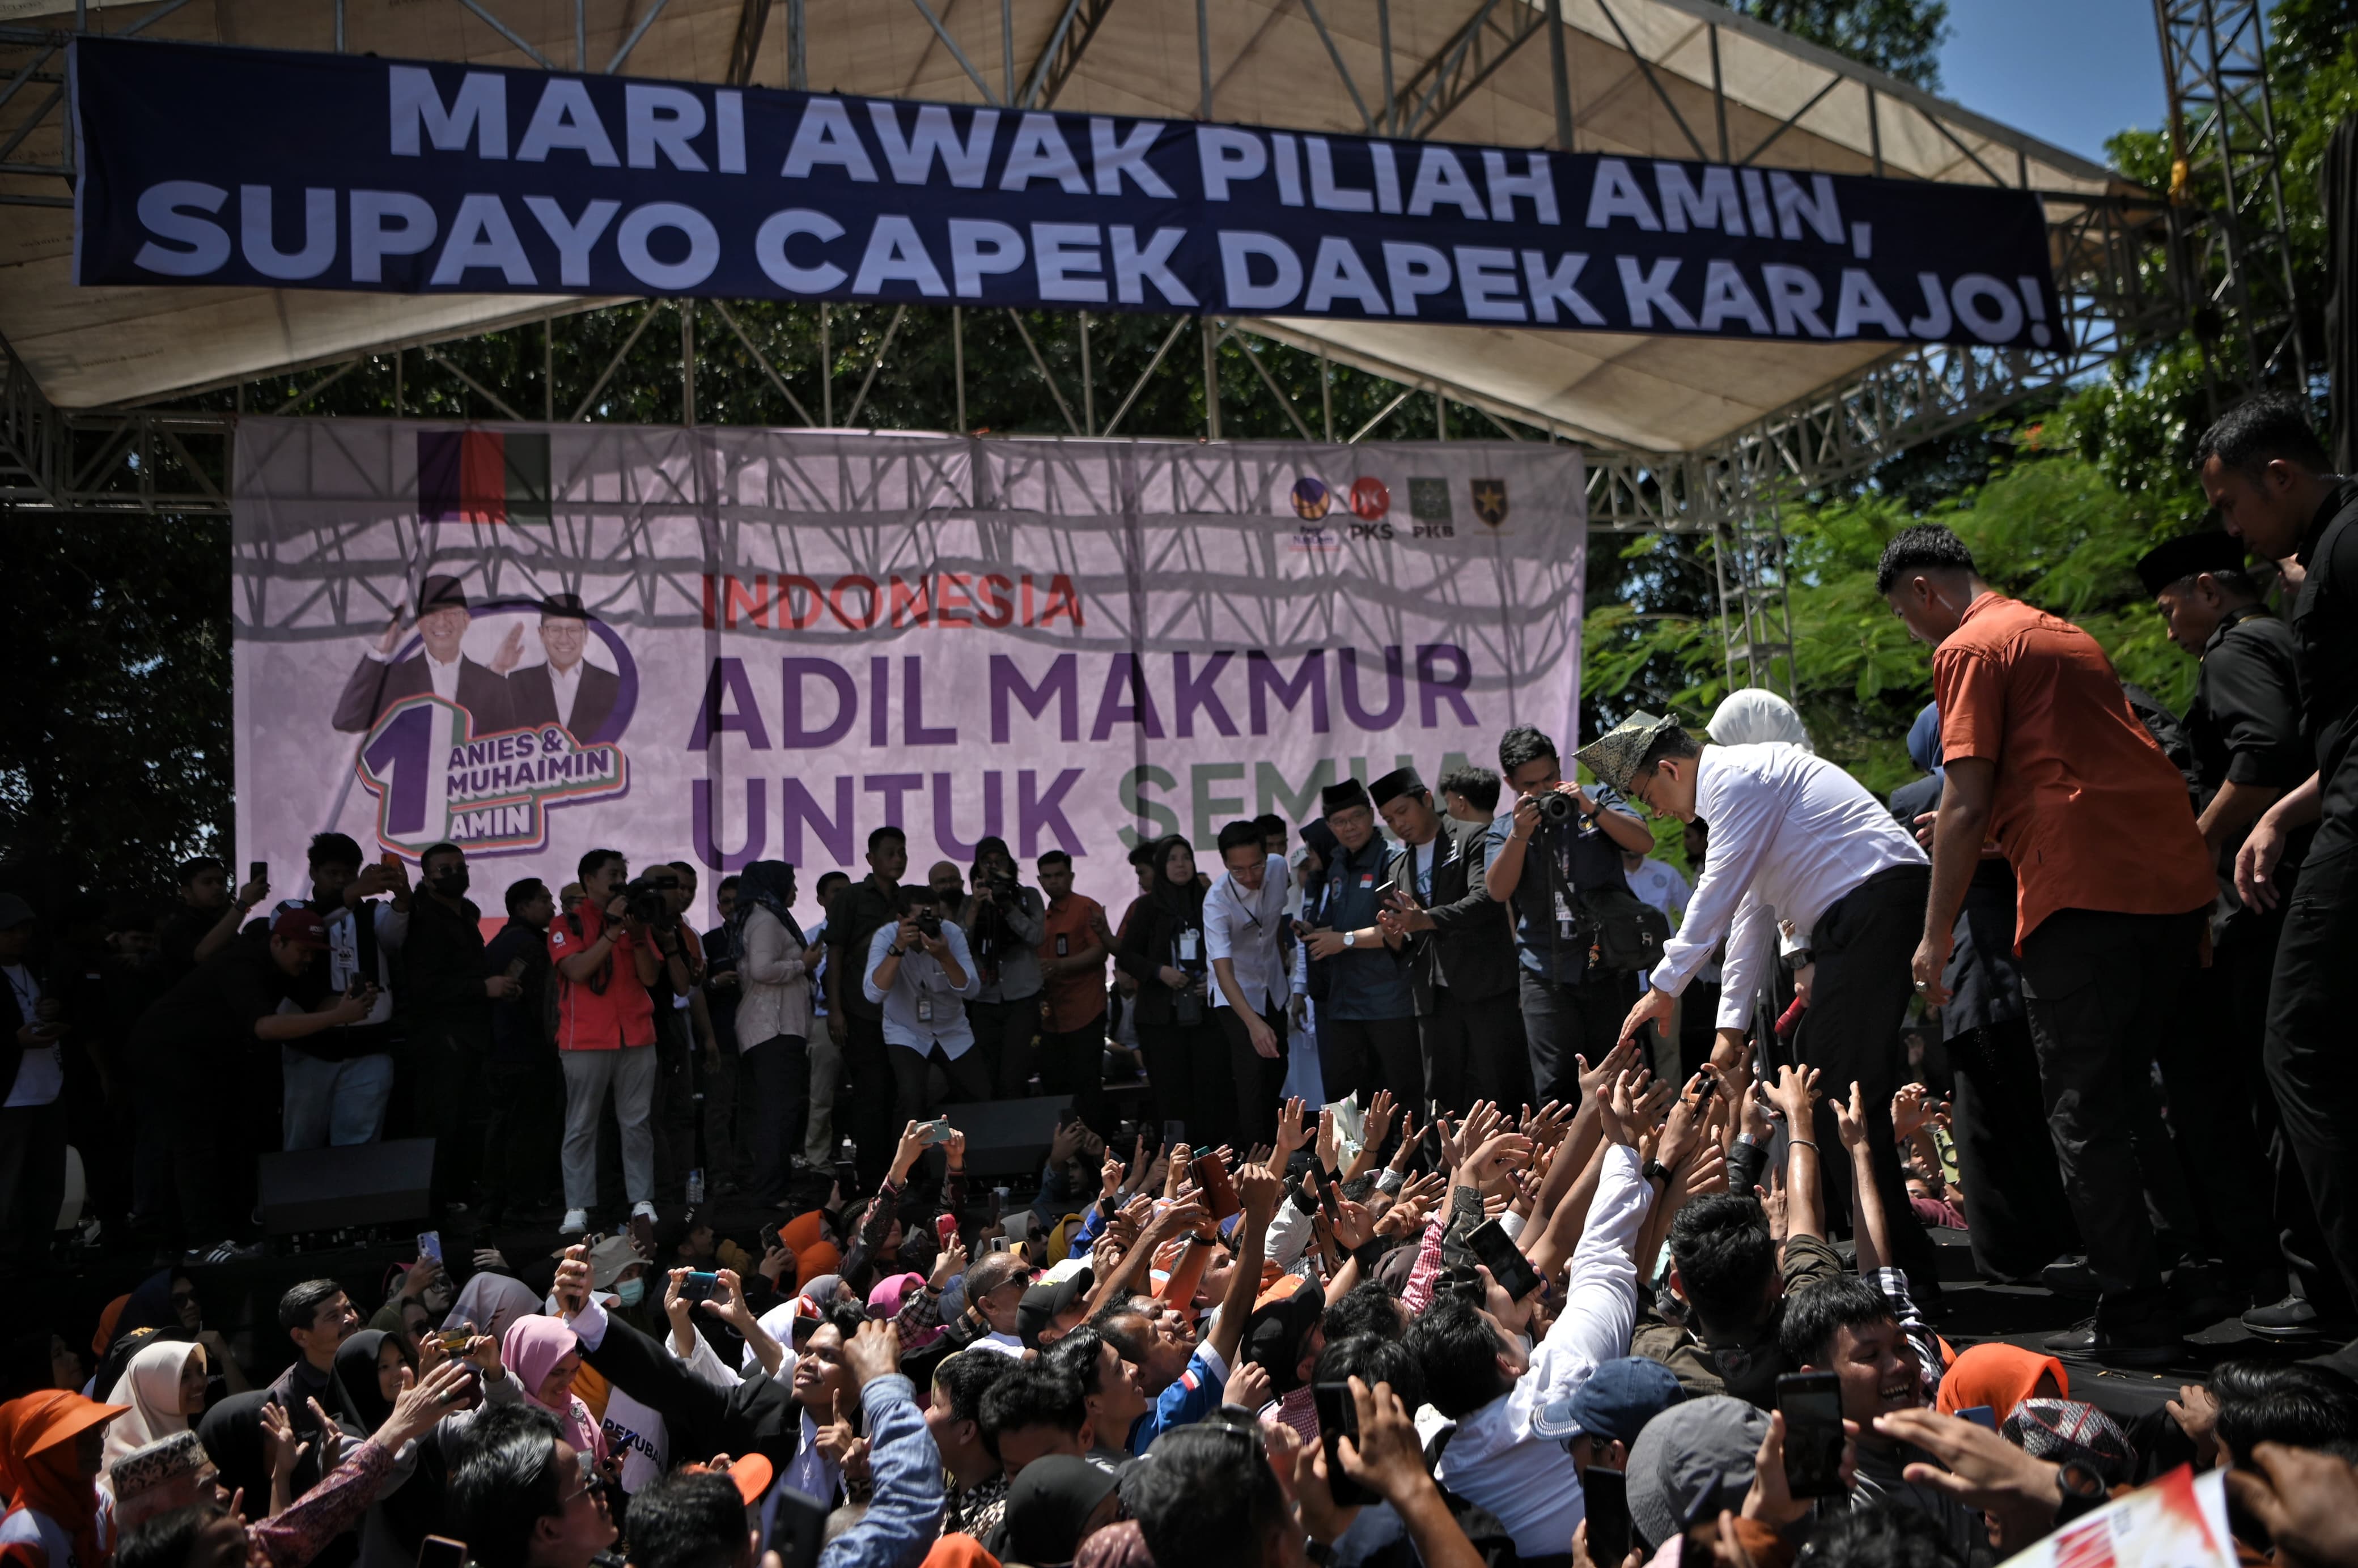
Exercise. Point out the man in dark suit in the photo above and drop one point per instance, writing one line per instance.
(439, 667)
(1469, 1019)
(568, 690)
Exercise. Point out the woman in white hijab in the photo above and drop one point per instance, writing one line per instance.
(1751, 714)
(164, 1387)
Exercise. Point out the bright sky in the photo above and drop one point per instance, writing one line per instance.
(2070, 71)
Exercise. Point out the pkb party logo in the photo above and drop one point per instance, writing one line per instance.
(434, 779)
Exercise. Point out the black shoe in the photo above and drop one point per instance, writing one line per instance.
(2071, 1277)
(2291, 1318)
(2146, 1341)
(2198, 1294)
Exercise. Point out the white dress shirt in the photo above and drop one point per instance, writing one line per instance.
(444, 676)
(1497, 1461)
(922, 1010)
(1791, 833)
(566, 686)
(1242, 927)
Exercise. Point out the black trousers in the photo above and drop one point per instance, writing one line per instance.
(1361, 1055)
(912, 1095)
(1257, 1081)
(2203, 1065)
(673, 1116)
(2309, 1061)
(1188, 1075)
(32, 1179)
(1563, 1022)
(2022, 1219)
(1862, 948)
(1003, 1031)
(779, 1068)
(1698, 1025)
(873, 1088)
(446, 1079)
(1473, 1050)
(2101, 988)
(526, 1101)
(1072, 1062)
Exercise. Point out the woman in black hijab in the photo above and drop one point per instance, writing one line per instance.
(232, 1434)
(1163, 950)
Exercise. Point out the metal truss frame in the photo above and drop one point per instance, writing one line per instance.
(2108, 255)
(2235, 256)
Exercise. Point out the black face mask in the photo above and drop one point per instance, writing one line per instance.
(451, 881)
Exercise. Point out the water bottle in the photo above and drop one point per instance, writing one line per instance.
(695, 1186)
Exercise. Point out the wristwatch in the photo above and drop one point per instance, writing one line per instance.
(1654, 1170)
(1350, 938)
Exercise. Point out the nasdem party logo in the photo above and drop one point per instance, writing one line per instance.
(434, 779)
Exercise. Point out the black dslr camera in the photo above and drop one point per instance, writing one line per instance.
(928, 918)
(650, 900)
(1558, 809)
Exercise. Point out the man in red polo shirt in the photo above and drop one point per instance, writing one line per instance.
(2044, 758)
(604, 962)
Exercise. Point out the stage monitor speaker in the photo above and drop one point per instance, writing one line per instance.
(359, 1183)
(1007, 1137)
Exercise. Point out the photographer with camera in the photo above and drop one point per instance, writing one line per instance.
(1557, 851)
(608, 956)
(1004, 923)
(918, 973)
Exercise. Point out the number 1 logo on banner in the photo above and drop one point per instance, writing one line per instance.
(436, 780)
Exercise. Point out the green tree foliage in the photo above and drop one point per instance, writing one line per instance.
(1902, 37)
(115, 727)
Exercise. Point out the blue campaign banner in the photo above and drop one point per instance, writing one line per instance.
(252, 167)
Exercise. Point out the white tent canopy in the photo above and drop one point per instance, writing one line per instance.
(1667, 78)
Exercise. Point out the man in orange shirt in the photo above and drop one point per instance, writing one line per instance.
(1073, 993)
(2112, 880)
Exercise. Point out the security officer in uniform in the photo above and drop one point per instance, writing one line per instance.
(2245, 729)
(1367, 1031)
(1461, 950)
(2264, 471)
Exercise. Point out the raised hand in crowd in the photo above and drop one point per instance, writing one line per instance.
(1248, 1387)
(2307, 1500)
(1795, 1095)
(1981, 1469)
(422, 1402)
(1329, 1142)
(283, 1453)
(1913, 1110)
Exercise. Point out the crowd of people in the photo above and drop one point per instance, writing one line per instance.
(1558, 1273)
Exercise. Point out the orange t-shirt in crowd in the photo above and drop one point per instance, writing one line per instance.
(2087, 809)
(1075, 998)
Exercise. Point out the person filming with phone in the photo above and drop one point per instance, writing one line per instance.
(920, 973)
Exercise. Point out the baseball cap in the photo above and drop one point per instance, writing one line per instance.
(14, 912)
(1044, 1302)
(752, 1474)
(303, 927)
(1613, 1403)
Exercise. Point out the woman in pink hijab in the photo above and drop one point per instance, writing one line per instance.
(543, 1354)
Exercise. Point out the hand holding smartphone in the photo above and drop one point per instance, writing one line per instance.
(1811, 1405)
(1338, 1418)
(1606, 1493)
(1499, 1253)
(1219, 1193)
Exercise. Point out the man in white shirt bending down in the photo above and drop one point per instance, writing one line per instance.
(1243, 914)
(1793, 834)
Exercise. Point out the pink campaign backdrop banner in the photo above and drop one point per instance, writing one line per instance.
(793, 637)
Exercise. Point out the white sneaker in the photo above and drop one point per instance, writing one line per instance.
(643, 1207)
(576, 1221)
